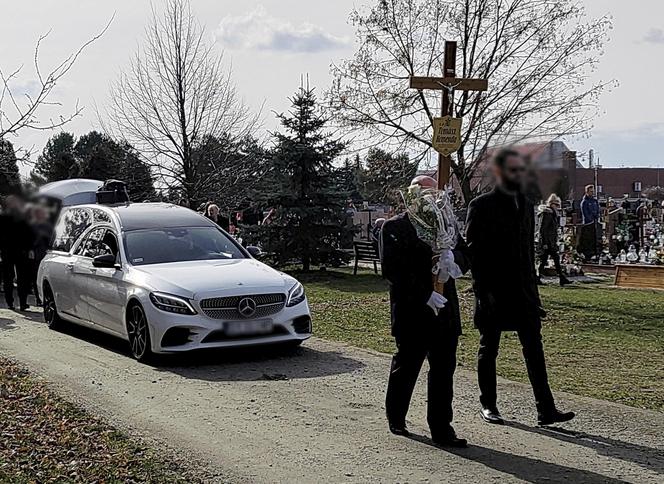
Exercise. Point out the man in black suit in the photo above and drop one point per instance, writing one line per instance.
(500, 235)
(425, 325)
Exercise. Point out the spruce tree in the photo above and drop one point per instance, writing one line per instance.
(309, 222)
(98, 156)
(10, 181)
(385, 174)
(57, 160)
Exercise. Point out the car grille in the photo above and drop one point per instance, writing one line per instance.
(226, 307)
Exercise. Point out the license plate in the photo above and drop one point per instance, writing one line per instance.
(241, 328)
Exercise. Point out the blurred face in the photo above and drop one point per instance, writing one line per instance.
(13, 204)
(213, 211)
(590, 192)
(513, 172)
(39, 215)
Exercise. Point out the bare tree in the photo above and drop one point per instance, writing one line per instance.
(537, 54)
(175, 96)
(19, 111)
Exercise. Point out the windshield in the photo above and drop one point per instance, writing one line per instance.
(158, 246)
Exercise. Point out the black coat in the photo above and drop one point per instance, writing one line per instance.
(548, 232)
(407, 264)
(16, 236)
(500, 235)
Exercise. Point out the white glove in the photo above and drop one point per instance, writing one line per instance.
(447, 267)
(436, 302)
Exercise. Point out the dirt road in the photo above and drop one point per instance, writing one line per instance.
(316, 415)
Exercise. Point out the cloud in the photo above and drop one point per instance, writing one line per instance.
(654, 36)
(258, 30)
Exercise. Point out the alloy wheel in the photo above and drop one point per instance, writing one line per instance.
(137, 331)
(50, 311)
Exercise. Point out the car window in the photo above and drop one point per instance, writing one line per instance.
(71, 225)
(101, 216)
(99, 241)
(179, 244)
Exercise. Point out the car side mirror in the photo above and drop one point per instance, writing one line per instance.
(106, 260)
(255, 252)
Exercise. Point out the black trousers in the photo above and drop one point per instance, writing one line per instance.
(530, 337)
(544, 258)
(439, 347)
(19, 267)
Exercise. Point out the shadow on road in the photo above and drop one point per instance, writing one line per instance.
(647, 457)
(524, 468)
(259, 363)
(233, 364)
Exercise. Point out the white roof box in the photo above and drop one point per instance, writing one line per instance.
(77, 191)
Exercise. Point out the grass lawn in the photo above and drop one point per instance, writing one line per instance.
(600, 341)
(45, 439)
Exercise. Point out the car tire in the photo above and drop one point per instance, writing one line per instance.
(51, 317)
(138, 333)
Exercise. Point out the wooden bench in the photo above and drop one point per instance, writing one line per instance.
(366, 252)
(640, 276)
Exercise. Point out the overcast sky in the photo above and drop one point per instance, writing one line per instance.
(272, 42)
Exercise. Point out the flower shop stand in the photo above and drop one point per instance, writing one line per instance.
(640, 276)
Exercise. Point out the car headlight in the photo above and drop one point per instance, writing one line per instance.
(171, 304)
(295, 295)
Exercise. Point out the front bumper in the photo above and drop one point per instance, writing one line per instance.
(174, 333)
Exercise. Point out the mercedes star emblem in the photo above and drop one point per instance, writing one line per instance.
(246, 307)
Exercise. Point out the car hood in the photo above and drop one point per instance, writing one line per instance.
(212, 278)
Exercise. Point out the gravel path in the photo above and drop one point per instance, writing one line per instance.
(316, 415)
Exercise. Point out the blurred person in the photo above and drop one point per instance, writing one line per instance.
(500, 236)
(425, 325)
(548, 238)
(42, 230)
(16, 241)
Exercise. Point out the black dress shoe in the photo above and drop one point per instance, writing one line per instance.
(11, 307)
(492, 416)
(448, 438)
(554, 417)
(400, 430)
(565, 282)
(24, 307)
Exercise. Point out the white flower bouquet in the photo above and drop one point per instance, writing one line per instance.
(431, 214)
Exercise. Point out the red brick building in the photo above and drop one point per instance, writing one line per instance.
(571, 181)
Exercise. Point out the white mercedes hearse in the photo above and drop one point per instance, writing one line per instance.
(166, 279)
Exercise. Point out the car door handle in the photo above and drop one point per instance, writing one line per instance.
(69, 267)
(93, 269)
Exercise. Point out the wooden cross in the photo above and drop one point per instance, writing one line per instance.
(448, 83)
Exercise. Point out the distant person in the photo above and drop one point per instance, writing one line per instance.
(425, 324)
(589, 206)
(500, 235)
(589, 233)
(375, 231)
(548, 237)
(212, 212)
(16, 241)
